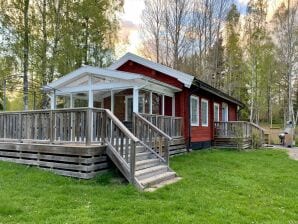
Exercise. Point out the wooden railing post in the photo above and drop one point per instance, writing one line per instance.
(166, 148)
(104, 126)
(89, 126)
(52, 128)
(5, 116)
(132, 161)
(20, 127)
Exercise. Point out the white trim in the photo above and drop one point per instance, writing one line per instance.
(173, 106)
(186, 79)
(225, 106)
(90, 92)
(216, 105)
(150, 102)
(163, 105)
(135, 100)
(96, 71)
(207, 112)
(198, 110)
(96, 87)
(112, 101)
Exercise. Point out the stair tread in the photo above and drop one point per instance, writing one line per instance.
(157, 177)
(146, 161)
(150, 169)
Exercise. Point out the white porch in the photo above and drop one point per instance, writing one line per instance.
(121, 92)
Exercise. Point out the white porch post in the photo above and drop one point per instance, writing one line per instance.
(112, 101)
(71, 104)
(173, 106)
(163, 105)
(53, 100)
(90, 92)
(150, 102)
(135, 100)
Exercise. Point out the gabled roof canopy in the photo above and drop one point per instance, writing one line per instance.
(89, 78)
(184, 78)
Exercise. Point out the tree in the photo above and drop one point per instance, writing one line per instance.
(50, 38)
(285, 23)
(153, 23)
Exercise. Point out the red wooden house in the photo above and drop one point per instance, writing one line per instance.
(199, 104)
(136, 113)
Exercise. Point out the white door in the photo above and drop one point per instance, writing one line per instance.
(225, 112)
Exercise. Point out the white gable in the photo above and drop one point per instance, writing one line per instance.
(184, 78)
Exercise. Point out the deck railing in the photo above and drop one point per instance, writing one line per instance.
(60, 126)
(239, 129)
(172, 126)
(154, 139)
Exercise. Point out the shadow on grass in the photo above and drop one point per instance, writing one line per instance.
(110, 177)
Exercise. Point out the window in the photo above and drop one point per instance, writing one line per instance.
(194, 110)
(204, 112)
(216, 111)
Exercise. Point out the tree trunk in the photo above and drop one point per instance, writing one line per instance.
(26, 53)
(44, 52)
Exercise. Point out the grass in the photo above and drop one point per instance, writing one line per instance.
(223, 186)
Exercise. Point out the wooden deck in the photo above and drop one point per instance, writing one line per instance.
(238, 134)
(80, 143)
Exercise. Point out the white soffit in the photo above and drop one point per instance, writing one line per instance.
(184, 78)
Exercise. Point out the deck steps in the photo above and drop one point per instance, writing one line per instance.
(143, 164)
(151, 171)
(153, 180)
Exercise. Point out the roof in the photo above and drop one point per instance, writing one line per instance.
(206, 87)
(184, 78)
(95, 71)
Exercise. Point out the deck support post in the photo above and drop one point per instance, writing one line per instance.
(150, 102)
(112, 101)
(90, 92)
(135, 100)
(53, 100)
(163, 105)
(173, 106)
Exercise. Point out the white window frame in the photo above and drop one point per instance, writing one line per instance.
(198, 110)
(207, 112)
(217, 115)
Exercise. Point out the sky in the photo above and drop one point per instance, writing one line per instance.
(131, 21)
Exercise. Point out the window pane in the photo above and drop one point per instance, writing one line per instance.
(194, 111)
(204, 112)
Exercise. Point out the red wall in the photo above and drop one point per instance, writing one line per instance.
(201, 133)
(193, 133)
(140, 69)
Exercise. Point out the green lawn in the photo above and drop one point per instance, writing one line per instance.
(224, 186)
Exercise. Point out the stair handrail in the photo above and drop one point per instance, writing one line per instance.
(160, 132)
(121, 126)
(262, 131)
(132, 147)
(154, 127)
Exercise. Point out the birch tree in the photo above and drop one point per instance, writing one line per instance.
(285, 23)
